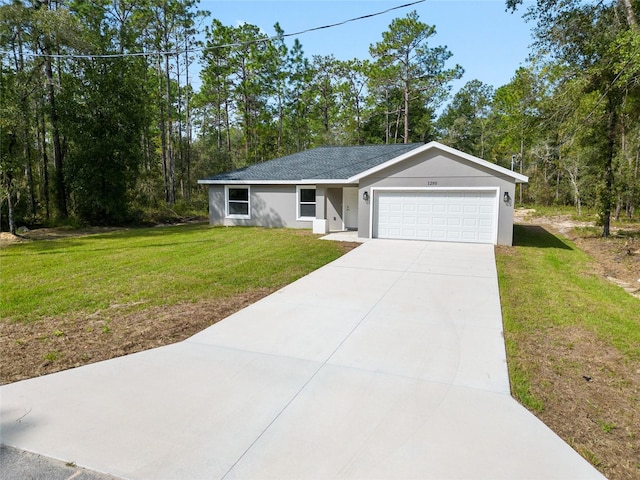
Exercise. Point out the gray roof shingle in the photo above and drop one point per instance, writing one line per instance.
(322, 163)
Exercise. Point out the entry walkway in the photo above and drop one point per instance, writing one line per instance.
(387, 363)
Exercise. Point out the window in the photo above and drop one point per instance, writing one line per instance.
(306, 203)
(237, 202)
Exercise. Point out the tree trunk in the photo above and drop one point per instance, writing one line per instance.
(607, 194)
(618, 208)
(631, 16)
(634, 184)
(227, 126)
(406, 115)
(61, 191)
(181, 154)
(169, 129)
(10, 214)
(387, 113)
(406, 99)
(188, 118)
(163, 136)
(42, 142)
(30, 182)
(521, 164)
(26, 142)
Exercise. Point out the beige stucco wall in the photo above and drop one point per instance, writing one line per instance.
(271, 206)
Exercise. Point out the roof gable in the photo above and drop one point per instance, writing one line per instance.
(518, 178)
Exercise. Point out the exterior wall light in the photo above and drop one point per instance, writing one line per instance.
(507, 198)
(365, 196)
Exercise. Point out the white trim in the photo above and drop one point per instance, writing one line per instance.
(298, 203)
(226, 202)
(277, 182)
(452, 151)
(496, 213)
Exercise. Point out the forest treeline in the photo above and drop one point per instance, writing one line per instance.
(100, 122)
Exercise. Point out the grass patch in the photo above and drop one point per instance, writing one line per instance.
(53, 355)
(573, 343)
(546, 283)
(147, 267)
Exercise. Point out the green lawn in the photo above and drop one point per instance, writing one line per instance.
(546, 282)
(151, 266)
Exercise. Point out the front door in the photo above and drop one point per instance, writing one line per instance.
(350, 202)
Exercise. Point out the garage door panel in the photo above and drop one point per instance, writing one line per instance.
(457, 216)
(470, 222)
(439, 208)
(471, 209)
(469, 236)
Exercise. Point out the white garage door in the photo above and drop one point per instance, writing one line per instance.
(449, 216)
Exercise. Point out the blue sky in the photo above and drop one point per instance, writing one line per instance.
(488, 42)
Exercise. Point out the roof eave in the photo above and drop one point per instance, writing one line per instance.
(304, 181)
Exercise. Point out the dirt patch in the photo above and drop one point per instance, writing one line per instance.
(25, 235)
(617, 257)
(591, 396)
(55, 344)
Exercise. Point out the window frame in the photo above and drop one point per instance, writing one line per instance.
(247, 202)
(299, 202)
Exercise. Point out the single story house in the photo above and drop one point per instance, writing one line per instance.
(402, 191)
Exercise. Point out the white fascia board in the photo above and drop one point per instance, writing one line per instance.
(312, 181)
(452, 151)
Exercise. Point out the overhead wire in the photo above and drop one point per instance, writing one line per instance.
(89, 56)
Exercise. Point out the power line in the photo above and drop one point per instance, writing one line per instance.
(215, 47)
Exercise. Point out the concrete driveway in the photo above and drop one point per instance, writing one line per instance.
(387, 363)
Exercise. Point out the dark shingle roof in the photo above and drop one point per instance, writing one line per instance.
(322, 163)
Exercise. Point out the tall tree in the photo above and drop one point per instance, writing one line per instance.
(54, 27)
(464, 122)
(105, 130)
(324, 87)
(298, 100)
(515, 116)
(599, 40)
(413, 67)
(352, 89)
